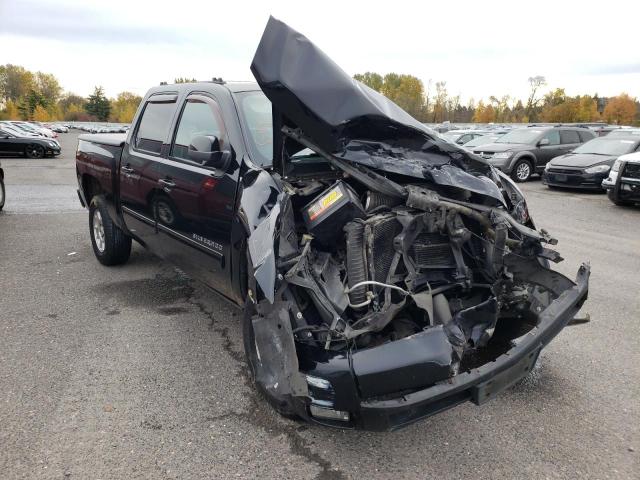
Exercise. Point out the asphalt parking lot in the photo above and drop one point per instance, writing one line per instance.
(138, 372)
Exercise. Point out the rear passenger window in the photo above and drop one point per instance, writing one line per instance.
(553, 136)
(586, 135)
(154, 126)
(200, 118)
(569, 136)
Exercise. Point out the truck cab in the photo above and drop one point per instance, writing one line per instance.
(172, 181)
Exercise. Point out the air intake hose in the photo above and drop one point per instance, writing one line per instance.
(356, 261)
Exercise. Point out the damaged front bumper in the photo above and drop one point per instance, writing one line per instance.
(338, 384)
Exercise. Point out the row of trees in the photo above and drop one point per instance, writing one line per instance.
(39, 96)
(25, 95)
(433, 103)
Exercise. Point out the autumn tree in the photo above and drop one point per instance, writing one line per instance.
(40, 114)
(98, 105)
(15, 82)
(535, 84)
(29, 102)
(620, 110)
(440, 102)
(10, 111)
(370, 79)
(124, 107)
(48, 87)
(484, 113)
(587, 109)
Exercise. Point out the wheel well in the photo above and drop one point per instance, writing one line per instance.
(91, 187)
(528, 158)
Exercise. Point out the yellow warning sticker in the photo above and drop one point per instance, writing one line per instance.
(325, 202)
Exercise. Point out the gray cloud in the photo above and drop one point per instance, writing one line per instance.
(619, 69)
(86, 25)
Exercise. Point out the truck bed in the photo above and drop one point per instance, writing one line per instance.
(111, 139)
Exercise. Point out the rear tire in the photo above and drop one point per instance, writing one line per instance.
(110, 244)
(522, 171)
(614, 200)
(2, 193)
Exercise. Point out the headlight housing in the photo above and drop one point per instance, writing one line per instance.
(598, 169)
(503, 155)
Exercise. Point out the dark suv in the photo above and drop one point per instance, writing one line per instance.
(525, 151)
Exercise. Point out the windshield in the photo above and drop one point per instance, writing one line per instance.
(522, 135)
(482, 140)
(255, 110)
(607, 146)
(625, 132)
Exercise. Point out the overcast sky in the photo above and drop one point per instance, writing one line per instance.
(479, 48)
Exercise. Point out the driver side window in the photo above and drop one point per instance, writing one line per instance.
(200, 118)
(553, 136)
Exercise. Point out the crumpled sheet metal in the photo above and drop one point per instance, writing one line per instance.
(260, 206)
(277, 369)
(350, 120)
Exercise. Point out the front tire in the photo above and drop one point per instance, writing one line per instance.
(614, 200)
(34, 151)
(110, 245)
(2, 193)
(522, 171)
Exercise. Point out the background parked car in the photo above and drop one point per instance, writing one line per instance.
(625, 132)
(460, 137)
(37, 127)
(7, 127)
(589, 164)
(482, 140)
(525, 151)
(623, 182)
(31, 147)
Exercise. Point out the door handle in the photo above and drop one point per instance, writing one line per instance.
(127, 170)
(167, 184)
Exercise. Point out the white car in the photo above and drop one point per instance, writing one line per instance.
(623, 183)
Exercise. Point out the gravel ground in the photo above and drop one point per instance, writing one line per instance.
(138, 372)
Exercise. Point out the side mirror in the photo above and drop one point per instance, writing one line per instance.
(543, 142)
(205, 149)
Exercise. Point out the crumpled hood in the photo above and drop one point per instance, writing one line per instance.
(308, 91)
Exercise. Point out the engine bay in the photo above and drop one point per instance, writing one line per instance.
(361, 269)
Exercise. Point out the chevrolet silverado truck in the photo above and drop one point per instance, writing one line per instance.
(385, 275)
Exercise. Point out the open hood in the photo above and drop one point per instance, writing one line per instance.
(344, 117)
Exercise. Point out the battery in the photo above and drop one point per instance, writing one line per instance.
(330, 211)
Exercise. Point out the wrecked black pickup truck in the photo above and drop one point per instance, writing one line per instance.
(385, 274)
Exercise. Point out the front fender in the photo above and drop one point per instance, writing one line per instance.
(260, 203)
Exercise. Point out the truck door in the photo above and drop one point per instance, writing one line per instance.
(139, 169)
(194, 207)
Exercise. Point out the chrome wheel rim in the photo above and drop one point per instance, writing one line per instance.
(523, 171)
(36, 151)
(98, 231)
(165, 214)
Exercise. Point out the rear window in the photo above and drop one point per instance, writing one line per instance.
(569, 136)
(586, 135)
(154, 126)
